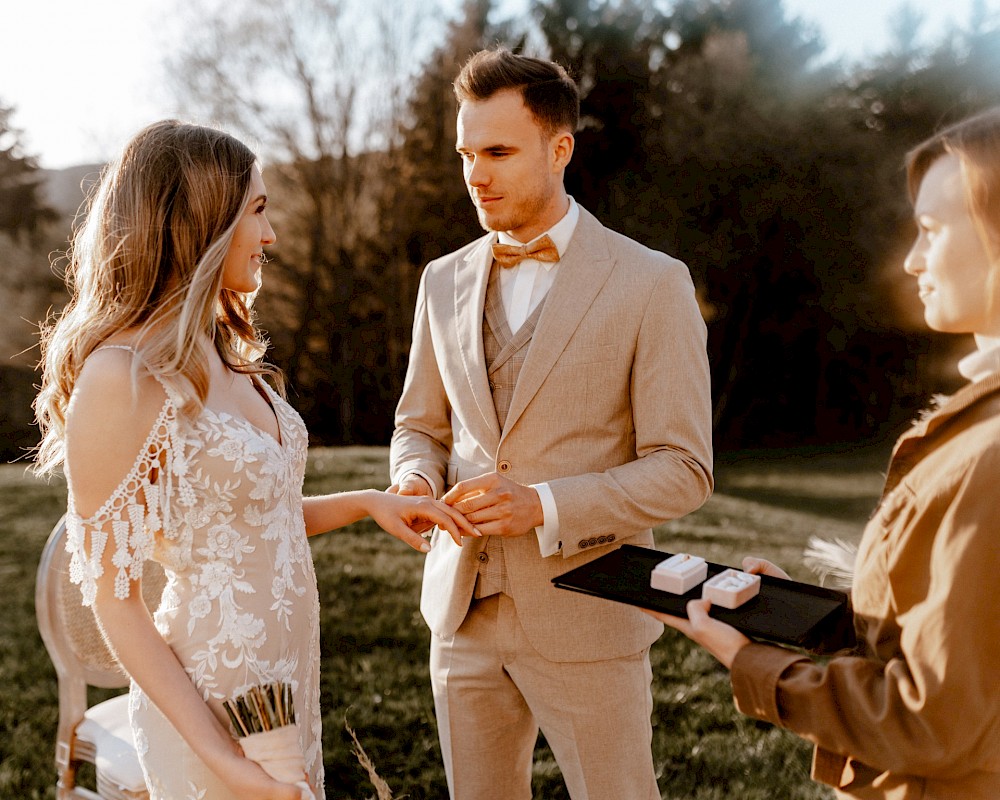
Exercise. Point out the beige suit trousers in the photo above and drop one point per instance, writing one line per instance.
(493, 691)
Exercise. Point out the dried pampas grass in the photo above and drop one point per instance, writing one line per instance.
(831, 559)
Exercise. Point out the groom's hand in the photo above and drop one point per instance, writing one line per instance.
(496, 505)
(413, 485)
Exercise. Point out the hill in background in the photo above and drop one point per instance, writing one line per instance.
(64, 189)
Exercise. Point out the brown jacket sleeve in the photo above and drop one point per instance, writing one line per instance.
(933, 709)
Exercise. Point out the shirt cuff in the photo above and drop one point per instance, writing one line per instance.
(421, 474)
(549, 542)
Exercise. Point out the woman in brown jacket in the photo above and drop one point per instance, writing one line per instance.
(914, 712)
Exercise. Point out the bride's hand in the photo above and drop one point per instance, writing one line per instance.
(247, 779)
(405, 516)
(414, 485)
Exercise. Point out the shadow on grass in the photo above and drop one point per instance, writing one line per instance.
(848, 509)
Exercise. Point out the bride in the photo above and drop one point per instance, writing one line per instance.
(179, 446)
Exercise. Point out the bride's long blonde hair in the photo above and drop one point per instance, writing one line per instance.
(148, 259)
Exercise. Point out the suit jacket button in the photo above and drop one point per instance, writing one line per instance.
(611, 538)
(503, 466)
(602, 539)
(583, 544)
(593, 542)
(483, 557)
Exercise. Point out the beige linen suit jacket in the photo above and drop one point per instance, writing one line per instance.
(612, 409)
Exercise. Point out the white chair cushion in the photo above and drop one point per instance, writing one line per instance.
(107, 728)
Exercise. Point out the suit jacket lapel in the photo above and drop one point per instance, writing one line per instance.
(471, 278)
(583, 270)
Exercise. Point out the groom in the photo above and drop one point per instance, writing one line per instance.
(558, 396)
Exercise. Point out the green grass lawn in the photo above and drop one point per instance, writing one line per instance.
(375, 643)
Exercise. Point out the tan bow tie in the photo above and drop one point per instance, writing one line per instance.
(510, 255)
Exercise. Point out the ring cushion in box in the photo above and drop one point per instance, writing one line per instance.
(731, 588)
(787, 612)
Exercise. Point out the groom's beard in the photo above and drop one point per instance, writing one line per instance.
(517, 212)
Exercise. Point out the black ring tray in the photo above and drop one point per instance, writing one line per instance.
(788, 612)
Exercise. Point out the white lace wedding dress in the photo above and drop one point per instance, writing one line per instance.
(218, 503)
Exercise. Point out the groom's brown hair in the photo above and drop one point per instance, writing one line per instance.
(549, 92)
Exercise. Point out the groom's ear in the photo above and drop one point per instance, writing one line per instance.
(561, 147)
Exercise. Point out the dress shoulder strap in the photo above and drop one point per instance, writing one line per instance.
(127, 347)
(172, 394)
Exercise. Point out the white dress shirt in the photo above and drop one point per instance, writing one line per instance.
(522, 288)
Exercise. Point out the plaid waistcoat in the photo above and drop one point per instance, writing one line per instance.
(505, 354)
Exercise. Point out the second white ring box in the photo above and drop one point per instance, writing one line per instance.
(678, 574)
(731, 588)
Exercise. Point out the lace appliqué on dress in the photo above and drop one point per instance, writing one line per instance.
(217, 503)
(138, 508)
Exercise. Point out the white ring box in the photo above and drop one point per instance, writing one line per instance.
(678, 574)
(731, 588)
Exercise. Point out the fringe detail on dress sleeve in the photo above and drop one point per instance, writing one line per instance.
(138, 509)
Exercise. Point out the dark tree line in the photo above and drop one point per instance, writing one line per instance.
(26, 221)
(714, 131)
(22, 210)
(711, 129)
